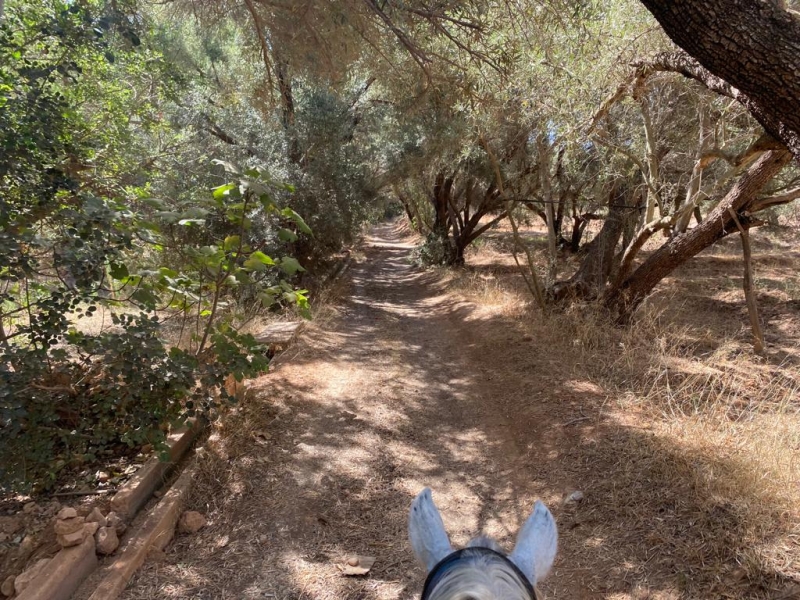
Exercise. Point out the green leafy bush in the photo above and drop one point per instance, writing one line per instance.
(80, 231)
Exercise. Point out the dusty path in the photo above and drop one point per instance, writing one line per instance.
(405, 387)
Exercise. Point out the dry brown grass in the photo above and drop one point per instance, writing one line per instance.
(694, 462)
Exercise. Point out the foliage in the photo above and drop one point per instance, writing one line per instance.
(82, 232)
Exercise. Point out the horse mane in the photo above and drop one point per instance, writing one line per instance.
(484, 576)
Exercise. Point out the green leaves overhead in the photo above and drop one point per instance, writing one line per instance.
(298, 220)
(224, 190)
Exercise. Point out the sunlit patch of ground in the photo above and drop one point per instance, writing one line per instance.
(684, 444)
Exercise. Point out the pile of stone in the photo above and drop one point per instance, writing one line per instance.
(72, 530)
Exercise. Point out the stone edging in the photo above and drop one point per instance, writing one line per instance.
(68, 569)
(72, 566)
(63, 574)
(154, 534)
(135, 493)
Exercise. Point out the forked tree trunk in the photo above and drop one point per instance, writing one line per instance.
(653, 174)
(287, 109)
(591, 277)
(625, 297)
(545, 156)
(701, 162)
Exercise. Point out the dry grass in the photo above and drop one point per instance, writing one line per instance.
(693, 461)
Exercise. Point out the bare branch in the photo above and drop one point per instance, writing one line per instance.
(261, 39)
(770, 201)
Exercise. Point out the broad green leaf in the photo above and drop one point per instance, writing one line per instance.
(258, 261)
(168, 216)
(167, 272)
(287, 235)
(261, 257)
(267, 299)
(118, 271)
(301, 224)
(145, 297)
(231, 243)
(223, 190)
(290, 265)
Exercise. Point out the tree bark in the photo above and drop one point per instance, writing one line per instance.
(749, 287)
(753, 45)
(701, 162)
(545, 155)
(591, 276)
(626, 297)
(287, 109)
(653, 169)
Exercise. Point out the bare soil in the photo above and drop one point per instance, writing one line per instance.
(419, 378)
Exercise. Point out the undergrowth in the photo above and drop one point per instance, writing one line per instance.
(700, 432)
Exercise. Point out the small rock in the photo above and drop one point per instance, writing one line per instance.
(67, 513)
(158, 494)
(24, 580)
(358, 565)
(575, 497)
(115, 521)
(29, 507)
(96, 517)
(191, 522)
(10, 525)
(7, 589)
(65, 526)
(102, 476)
(107, 540)
(52, 508)
(91, 528)
(72, 539)
(4, 537)
(26, 547)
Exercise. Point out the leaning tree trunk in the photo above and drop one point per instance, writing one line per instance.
(623, 298)
(754, 45)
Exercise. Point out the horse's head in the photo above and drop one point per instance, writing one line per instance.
(481, 571)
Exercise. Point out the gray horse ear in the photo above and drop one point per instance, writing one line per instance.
(426, 531)
(537, 543)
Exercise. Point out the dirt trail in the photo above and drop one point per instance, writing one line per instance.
(405, 387)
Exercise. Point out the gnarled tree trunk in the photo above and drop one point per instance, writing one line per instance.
(753, 45)
(590, 279)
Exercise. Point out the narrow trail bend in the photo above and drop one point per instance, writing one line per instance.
(406, 386)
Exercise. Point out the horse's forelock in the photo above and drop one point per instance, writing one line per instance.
(480, 578)
(484, 541)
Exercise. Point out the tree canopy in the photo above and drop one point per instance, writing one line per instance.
(196, 161)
